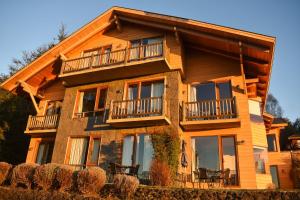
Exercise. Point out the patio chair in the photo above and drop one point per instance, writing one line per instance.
(202, 176)
(226, 177)
(133, 171)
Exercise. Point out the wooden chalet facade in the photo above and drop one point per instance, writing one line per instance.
(102, 92)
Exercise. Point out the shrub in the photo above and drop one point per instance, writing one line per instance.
(160, 173)
(5, 169)
(125, 185)
(44, 176)
(23, 174)
(64, 177)
(91, 180)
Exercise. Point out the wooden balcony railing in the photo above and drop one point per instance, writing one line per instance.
(122, 56)
(42, 122)
(137, 108)
(210, 109)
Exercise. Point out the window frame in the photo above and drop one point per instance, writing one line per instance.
(220, 153)
(275, 139)
(217, 89)
(77, 114)
(139, 83)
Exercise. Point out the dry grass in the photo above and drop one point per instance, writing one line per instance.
(91, 180)
(160, 173)
(44, 176)
(125, 185)
(23, 175)
(4, 171)
(64, 177)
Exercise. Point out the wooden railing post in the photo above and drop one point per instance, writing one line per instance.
(183, 111)
(111, 106)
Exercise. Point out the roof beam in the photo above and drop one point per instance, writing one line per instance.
(195, 33)
(252, 80)
(30, 90)
(118, 23)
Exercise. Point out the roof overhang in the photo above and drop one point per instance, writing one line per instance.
(258, 50)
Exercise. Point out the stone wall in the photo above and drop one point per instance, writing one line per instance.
(154, 193)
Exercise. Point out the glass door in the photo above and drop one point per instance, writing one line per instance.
(44, 153)
(274, 174)
(229, 158)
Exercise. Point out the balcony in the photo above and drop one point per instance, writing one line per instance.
(210, 114)
(138, 112)
(124, 63)
(41, 124)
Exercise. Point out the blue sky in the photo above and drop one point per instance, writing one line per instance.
(25, 25)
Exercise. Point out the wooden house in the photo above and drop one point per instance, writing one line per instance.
(100, 94)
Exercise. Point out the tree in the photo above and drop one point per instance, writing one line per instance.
(14, 110)
(273, 107)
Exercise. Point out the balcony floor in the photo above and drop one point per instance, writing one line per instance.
(210, 124)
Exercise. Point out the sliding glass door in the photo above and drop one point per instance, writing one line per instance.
(215, 153)
(138, 150)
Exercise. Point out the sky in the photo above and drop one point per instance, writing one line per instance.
(25, 25)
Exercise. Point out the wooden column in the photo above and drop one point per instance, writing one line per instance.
(242, 66)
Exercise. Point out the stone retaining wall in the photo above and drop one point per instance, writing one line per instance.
(153, 193)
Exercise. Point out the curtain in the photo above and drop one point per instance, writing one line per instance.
(134, 50)
(153, 50)
(127, 153)
(193, 108)
(80, 102)
(78, 152)
(106, 56)
(157, 90)
(194, 160)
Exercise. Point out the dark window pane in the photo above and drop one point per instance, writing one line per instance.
(206, 91)
(271, 143)
(96, 151)
(88, 102)
(207, 152)
(45, 151)
(225, 90)
(146, 90)
(274, 174)
(102, 98)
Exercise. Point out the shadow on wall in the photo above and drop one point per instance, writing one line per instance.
(110, 152)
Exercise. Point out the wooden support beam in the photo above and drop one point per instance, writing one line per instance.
(242, 67)
(176, 35)
(194, 33)
(62, 56)
(252, 80)
(30, 90)
(118, 23)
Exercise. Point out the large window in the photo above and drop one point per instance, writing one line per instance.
(211, 100)
(260, 158)
(271, 138)
(145, 98)
(78, 152)
(138, 150)
(215, 153)
(145, 48)
(91, 102)
(45, 151)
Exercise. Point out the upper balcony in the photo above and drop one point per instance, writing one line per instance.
(210, 114)
(134, 61)
(139, 112)
(42, 124)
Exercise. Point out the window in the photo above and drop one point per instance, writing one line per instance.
(95, 154)
(78, 152)
(44, 153)
(53, 107)
(260, 158)
(91, 102)
(272, 142)
(215, 153)
(99, 56)
(138, 150)
(211, 100)
(274, 174)
(145, 48)
(146, 97)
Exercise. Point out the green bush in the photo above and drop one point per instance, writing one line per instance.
(167, 149)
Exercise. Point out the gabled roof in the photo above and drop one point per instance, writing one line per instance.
(257, 49)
